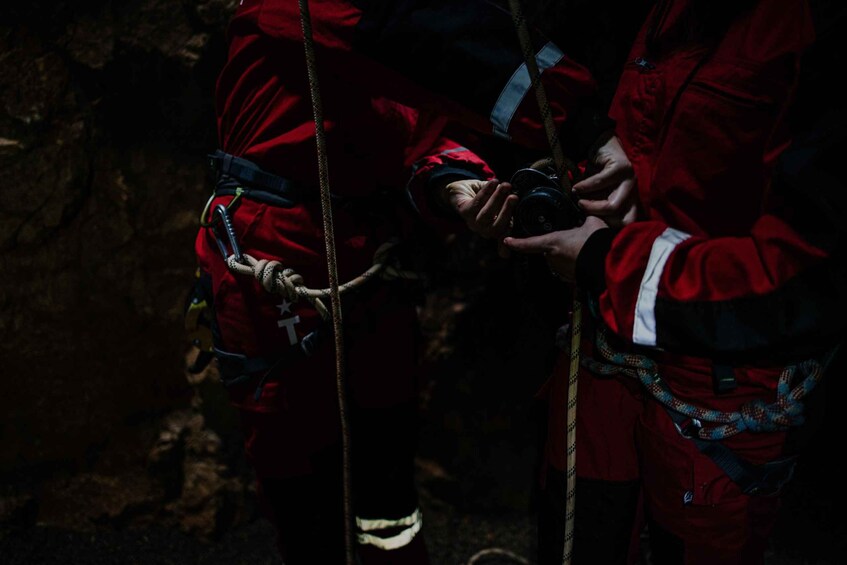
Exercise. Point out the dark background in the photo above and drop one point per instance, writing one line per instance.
(109, 451)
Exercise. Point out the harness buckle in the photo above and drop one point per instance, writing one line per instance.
(689, 429)
(774, 476)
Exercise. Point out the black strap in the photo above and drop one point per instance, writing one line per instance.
(761, 480)
(233, 172)
(236, 368)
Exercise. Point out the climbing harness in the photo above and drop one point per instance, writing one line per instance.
(234, 175)
(240, 178)
(236, 368)
(754, 416)
(707, 427)
(200, 321)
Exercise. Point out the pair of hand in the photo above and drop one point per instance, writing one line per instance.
(607, 197)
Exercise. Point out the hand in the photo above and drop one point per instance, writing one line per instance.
(610, 193)
(560, 248)
(486, 206)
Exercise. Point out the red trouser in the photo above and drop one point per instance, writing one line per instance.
(697, 514)
(292, 431)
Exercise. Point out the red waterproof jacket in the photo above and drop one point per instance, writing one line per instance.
(388, 86)
(721, 264)
(462, 60)
(733, 264)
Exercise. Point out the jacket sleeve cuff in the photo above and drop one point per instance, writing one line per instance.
(591, 262)
(441, 176)
(445, 174)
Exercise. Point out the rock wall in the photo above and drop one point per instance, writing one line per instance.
(105, 117)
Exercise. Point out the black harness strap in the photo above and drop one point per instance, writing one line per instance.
(236, 368)
(755, 480)
(238, 176)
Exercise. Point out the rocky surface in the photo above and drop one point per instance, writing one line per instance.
(105, 115)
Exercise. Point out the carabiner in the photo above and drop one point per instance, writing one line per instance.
(221, 211)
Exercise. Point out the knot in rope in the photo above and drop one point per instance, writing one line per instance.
(275, 279)
(269, 274)
(759, 416)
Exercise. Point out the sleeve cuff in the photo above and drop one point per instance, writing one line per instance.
(591, 262)
(445, 174)
(441, 176)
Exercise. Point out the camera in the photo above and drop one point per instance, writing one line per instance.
(543, 206)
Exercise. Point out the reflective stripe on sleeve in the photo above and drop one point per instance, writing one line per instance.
(517, 87)
(644, 327)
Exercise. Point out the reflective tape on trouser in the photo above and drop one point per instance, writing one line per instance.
(411, 525)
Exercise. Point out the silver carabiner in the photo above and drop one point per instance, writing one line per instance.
(221, 212)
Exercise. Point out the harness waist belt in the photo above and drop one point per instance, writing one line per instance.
(234, 173)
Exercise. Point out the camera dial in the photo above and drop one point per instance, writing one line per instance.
(542, 206)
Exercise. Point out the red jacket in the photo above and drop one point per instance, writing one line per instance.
(470, 69)
(720, 264)
(389, 85)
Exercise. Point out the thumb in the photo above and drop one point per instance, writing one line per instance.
(537, 244)
(461, 191)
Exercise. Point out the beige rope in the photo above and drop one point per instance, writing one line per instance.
(576, 324)
(570, 479)
(562, 162)
(481, 556)
(332, 268)
(276, 279)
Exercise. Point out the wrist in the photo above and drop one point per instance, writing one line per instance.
(590, 268)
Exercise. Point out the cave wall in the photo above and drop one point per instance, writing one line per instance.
(106, 114)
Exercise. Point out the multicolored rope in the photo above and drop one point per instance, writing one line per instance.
(755, 416)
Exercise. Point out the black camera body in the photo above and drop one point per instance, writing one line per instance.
(543, 206)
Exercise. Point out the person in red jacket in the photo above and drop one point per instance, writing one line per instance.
(729, 281)
(388, 87)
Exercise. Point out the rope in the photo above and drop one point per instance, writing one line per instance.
(275, 278)
(754, 416)
(332, 268)
(561, 162)
(484, 554)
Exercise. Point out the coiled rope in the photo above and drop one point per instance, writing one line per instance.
(754, 416)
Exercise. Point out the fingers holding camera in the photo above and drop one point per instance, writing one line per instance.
(486, 206)
(494, 219)
(618, 208)
(560, 248)
(610, 192)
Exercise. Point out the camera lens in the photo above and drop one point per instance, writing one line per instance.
(542, 207)
(541, 211)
